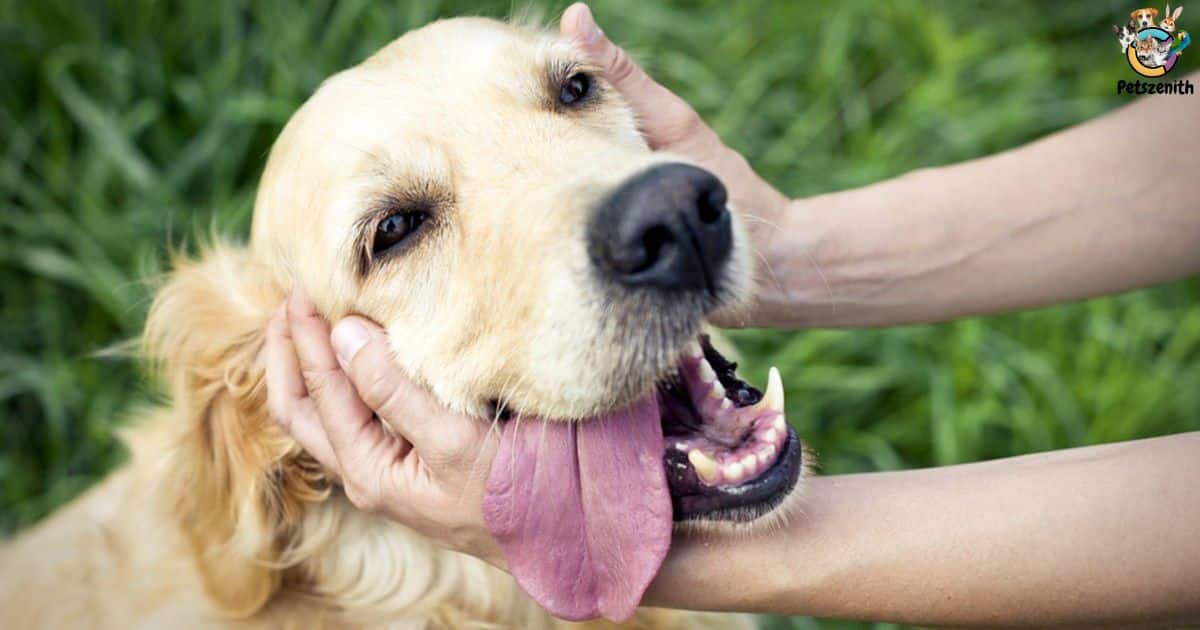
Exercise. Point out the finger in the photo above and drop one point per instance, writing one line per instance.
(408, 409)
(287, 397)
(362, 447)
(285, 384)
(665, 118)
(309, 433)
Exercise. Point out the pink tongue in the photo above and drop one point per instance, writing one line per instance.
(581, 509)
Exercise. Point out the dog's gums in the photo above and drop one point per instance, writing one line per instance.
(729, 453)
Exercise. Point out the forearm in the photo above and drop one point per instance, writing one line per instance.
(1087, 536)
(1106, 206)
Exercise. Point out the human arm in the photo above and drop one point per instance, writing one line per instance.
(1099, 208)
(1089, 536)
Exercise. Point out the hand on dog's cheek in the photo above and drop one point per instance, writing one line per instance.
(396, 451)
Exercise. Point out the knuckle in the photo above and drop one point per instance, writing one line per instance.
(685, 125)
(279, 417)
(621, 66)
(376, 389)
(361, 498)
(318, 381)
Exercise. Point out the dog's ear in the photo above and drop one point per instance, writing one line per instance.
(240, 483)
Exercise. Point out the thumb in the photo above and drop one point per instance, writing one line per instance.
(665, 118)
(367, 359)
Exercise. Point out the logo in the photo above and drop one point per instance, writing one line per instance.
(1151, 48)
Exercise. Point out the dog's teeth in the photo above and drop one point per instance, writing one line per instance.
(717, 391)
(766, 453)
(750, 463)
(692, 350)
(733, 472)
(780, 424)
(726, 403)
(707, 374)
(706, 467)
(771, 436)
(772, 398)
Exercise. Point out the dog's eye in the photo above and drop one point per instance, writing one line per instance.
(576, 88)
(394, 228)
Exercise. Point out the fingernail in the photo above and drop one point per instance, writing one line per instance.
(349, 336)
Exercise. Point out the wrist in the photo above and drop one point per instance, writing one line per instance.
(835, 260)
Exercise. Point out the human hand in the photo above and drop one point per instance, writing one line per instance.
(668, 123)
(419, 464)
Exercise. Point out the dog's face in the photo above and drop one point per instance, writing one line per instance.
(480, 191)
(450, 188)
(1143, 18)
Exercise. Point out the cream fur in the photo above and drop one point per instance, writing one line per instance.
(219, 518)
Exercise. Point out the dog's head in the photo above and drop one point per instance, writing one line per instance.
(1143, 18)
(484, 194)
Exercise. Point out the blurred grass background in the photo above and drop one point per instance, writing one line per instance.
(129, 126)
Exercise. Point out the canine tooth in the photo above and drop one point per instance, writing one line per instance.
(750, 463)
(706, 467)
(734, 471)
(772, 398)
(780, 424)
(706, 372)
(726, 403)
(693, 349)
(717, 391)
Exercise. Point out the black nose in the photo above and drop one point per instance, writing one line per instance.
(667, 228)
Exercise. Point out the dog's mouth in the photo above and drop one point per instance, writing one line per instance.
(729, 453)
(583, 511)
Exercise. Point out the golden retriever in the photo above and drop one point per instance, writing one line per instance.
(478, 189)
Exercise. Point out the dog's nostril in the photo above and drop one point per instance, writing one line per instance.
(655, 240)
(711, 206)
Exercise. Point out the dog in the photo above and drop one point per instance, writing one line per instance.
(1142, 18)
(481, 191)
(1125, 36)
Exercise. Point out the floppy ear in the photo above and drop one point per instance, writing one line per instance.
(239, 482)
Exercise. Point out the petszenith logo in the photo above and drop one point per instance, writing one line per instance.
(1153, 50)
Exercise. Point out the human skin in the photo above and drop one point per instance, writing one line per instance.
(1086, 536)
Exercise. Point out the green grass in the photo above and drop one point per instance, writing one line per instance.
(127, 127)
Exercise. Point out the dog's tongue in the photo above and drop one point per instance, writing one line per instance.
(581, 509)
